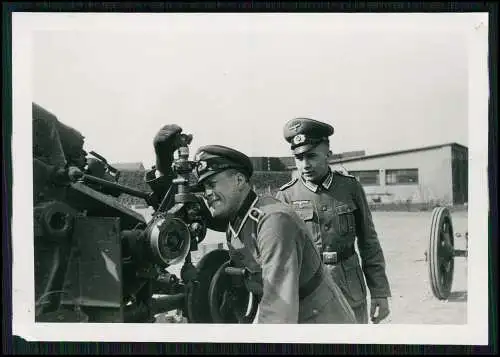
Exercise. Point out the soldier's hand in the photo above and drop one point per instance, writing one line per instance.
(379, 309)
(165, 142)
(166, 136)
(74, 173)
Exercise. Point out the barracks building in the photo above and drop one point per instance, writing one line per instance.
(431, 174)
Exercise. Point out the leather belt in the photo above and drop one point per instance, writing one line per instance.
(312, 284)
(333, 258)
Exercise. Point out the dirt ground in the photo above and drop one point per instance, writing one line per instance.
(404, 238)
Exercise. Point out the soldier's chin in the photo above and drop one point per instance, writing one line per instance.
(309, 177)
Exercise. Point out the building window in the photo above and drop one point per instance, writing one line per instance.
(401, 177)
(369, 177)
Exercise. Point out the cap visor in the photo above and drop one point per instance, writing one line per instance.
(205, 176)
(304, 148)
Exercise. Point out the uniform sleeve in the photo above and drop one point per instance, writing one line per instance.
(372, 256)
(280, 257)
(158, 185)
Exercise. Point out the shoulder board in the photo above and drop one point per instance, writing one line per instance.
(288, 184)
(341, 173)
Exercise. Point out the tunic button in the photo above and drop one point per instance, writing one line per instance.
(327, 227)
(324, 208)
(315, 312)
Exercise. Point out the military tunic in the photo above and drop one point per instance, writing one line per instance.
(273, 244)
(336, 212)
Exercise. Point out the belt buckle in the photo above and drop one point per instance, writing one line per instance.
(330, 258)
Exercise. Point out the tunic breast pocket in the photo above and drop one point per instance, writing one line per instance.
(304, 210)
(346, 224)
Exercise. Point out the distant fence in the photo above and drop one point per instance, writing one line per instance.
(414, 207)
(269, 182)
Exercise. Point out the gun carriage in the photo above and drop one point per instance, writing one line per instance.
(441, 252)
(97, 260)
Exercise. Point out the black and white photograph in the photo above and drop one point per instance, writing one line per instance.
(246, 177)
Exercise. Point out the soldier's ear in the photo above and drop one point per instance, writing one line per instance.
(329, 154)
(240, 179)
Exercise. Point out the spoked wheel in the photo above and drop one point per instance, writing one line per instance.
(441, 253)
(197, 301)
(230, 300)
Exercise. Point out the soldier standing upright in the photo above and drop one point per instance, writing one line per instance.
(335, 209)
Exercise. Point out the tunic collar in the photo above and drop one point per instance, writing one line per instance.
(242, 214)
(327, 182)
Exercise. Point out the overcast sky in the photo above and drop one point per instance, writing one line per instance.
(235, 80)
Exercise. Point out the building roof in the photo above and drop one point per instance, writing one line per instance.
(129, 166)
(347, 155)
(392, 153)
(285, 163)
(133, 179)
(398, 152)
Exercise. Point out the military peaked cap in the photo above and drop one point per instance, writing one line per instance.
(212, 159)
(304, 134)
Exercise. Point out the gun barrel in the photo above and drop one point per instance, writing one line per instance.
(125, 189)
(98, 156)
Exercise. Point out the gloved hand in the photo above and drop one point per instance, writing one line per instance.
(164, 144)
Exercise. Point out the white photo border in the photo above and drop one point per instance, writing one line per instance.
(475, 332)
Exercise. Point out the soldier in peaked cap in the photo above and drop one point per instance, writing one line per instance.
(271, 243)
(335, 210)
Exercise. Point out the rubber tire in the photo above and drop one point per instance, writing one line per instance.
(197, 299)
(440, 291)
(221, 278)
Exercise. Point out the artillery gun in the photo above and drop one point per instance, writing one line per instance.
(441, 252)
(97, 260)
